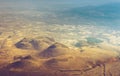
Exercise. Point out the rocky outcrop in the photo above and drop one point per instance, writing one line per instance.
(34, 44)
(22, 62)
(26, 43)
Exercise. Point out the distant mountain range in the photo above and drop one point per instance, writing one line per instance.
(107, 14)
(108, 11)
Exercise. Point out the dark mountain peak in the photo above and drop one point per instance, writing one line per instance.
(34, 43)
(56, 45)
(54, 50)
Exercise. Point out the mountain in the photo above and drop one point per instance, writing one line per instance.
(34, 44)
(55, 50)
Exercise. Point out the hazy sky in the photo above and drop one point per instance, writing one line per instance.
(80, 2)
(52, 3)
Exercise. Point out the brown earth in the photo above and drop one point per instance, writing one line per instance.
(45, 57)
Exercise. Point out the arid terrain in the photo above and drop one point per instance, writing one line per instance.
(59, 38)
(44, 56)
(36, 49)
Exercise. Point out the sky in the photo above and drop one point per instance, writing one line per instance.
(52, 2)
